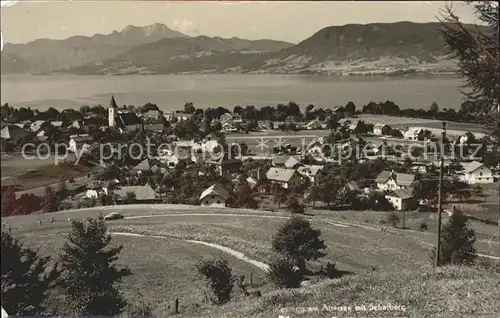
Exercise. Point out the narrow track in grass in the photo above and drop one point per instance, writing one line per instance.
(262, 266)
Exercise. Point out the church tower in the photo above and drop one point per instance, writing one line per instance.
(112, 112)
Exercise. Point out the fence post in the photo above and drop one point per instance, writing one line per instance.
(177, 305)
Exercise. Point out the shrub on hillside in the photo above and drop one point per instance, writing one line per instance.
(457, 242)
(293, 205)
(219, 278)
(393, 219)
(423, 226)
(283, 274)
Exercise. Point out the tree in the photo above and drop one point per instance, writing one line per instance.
(434, 109)
(50, 200)
(393, 219)
(283, 274)
(62, 191)
(219, 278)
(189, 108)
(298, 242)
(244, 196)
(350, 107)
(88, 273)
(27, 278)
(457, 245)
(477, 50)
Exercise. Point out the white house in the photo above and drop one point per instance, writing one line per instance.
(36, 125)
(313, 172)
(412, 133)
(228, 127)
(313, 125)
(476, 172)
(214, 196)
(377, 129)
(388, 181)
(401, 199)
(287, 178)
(95, 189)
(77, 142)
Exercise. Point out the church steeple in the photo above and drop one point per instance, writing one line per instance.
(111, 112)
(112, 103)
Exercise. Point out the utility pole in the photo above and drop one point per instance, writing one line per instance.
(440, 198)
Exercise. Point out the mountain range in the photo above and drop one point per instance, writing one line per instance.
(157, 49)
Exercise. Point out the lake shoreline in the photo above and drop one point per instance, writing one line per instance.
(171, 92)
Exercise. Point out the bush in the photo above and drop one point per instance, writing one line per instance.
(283, 274)
(293, 205)
(330, 271)
(219, 278)
(423, 226)
(393, 219)
(457, 242)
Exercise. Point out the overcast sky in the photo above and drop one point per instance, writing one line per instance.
(288, 21)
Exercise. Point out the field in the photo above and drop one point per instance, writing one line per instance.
(37, 172)
(399, 122)
(163, 267)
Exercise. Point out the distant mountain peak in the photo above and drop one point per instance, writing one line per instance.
(155, 29)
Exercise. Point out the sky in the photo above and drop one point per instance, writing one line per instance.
(286, 20)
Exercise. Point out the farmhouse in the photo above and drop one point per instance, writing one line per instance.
(143, 194)
(476, 172)
(401, 199)
(129, 122)
(214, 196)
(378, 128)
(228, 127)
(95, 189)
(413, 133)
(143, 166)
(387, 181)
(313, 125)
(286, 178)
(12, 131)
(313, 172)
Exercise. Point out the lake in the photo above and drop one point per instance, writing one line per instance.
(173, 91)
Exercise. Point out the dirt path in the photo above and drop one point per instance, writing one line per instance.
(262, 266)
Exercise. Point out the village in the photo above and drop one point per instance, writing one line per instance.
(321, 159)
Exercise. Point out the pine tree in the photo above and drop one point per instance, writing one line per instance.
(27, 278)
(298, 242)
(457, 246)
(89, 275)
(477, 50)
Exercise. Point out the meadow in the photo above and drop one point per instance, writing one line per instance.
(163, 266)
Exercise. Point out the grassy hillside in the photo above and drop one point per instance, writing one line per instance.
(383, 267)
(445, 292)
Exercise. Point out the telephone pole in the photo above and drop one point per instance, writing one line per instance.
(440, 198)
